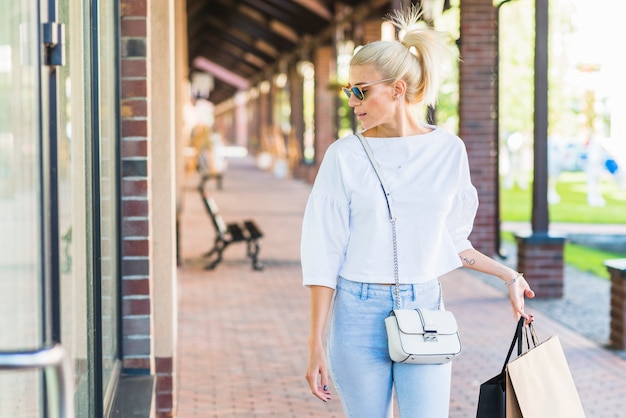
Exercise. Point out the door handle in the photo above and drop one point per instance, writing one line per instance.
(57, 371)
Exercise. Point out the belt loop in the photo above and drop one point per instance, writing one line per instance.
(364, 289)
(414, 291)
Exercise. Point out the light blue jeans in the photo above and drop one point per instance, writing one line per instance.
(359, 362)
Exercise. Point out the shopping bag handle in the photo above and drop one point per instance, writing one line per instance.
(517, 338)
(531, 336)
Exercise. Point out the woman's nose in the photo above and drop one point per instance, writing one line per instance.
(353, 101)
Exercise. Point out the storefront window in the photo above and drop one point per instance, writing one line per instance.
(87, 188)
(20, 204)
(74, 201)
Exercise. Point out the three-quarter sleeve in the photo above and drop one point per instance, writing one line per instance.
(326, 225)
(460, 219)
(325, 231)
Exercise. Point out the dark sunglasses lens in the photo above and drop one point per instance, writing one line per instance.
(357, 92)
(353, 90)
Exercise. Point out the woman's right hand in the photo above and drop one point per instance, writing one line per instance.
(519, 289)
(317, 369)
(317, 373)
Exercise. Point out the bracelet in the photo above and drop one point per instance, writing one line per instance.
(514, 279)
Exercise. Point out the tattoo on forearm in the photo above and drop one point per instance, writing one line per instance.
(468, 261)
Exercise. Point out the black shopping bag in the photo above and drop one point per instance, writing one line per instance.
(492, 395)
(491, 399)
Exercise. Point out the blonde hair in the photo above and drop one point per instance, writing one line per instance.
(418, 58)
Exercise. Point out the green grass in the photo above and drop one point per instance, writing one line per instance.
(516, 207)
(588, 259)
(516, 203)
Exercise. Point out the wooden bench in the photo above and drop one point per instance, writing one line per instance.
(226, 234)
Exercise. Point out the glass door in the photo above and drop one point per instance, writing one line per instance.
(22, 235)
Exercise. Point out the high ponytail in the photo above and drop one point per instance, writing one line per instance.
(418, 58)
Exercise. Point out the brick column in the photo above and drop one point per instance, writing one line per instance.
(296, 98)
(254, 127)
(540, 258)
(617, 334)
(228, 126)
(477, 125)
(241, 120)
(325, 129)
(264, 115)
(136, 303)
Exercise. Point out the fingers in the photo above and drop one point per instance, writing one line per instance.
(519, 313)
(517, 292)
(517, 304)
(319, 391)
(323, 393)
(528, 317)
(529, 293)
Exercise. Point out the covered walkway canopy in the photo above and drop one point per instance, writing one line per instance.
(240, 42)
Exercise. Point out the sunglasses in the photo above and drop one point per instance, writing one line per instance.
(358, 90)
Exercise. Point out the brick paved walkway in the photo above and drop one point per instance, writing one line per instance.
(242, 333)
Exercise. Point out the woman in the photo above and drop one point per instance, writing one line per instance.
(346, 237)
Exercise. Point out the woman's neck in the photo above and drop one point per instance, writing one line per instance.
(407, 127)
(405, 120)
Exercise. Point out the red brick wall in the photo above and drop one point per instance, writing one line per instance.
(477, 125)
(541, 261)
(136, 303)
(617, 271)
(165, 396)
(137, 333)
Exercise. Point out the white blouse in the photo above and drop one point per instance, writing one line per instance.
(346, 229)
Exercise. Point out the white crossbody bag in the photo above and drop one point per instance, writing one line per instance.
(415, 336)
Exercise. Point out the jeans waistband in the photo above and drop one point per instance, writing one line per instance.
(368, 290)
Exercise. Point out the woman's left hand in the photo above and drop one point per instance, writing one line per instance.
(518, 290)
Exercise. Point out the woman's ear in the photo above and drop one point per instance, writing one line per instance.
(399, 88)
